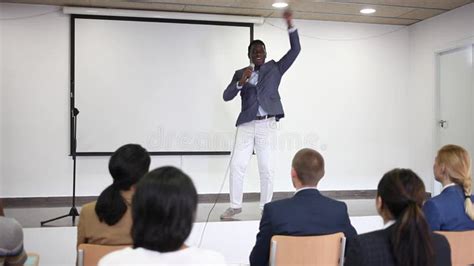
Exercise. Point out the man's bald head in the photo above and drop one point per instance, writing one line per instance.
(309, 166)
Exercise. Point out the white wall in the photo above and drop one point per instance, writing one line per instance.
(351, 99)
(1, 101)
(35, 89)
(449, 30)
(355, 97)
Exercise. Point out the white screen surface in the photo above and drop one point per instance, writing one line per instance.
(157, 84)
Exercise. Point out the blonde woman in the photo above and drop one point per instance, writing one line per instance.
(452, 210)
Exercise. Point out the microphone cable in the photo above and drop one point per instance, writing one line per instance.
(220, 189)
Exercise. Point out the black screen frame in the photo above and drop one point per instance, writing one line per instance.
(75, 17)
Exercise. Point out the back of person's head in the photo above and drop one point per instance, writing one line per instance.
(127, 165)
(308, 165)
(456, 162)
(163, 210)
(402, 193)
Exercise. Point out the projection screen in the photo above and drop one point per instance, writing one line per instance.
(155, 82)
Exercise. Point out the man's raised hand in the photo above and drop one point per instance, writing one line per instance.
(288, 16)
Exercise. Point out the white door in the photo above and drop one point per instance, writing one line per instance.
(456, 99)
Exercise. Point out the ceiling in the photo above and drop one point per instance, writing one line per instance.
(395, 12)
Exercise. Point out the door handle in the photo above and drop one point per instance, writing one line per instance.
(443, 123)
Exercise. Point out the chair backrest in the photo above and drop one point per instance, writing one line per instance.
(90, 254)
(462, 246)
(307, 250)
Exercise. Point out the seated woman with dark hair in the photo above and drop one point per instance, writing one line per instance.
(452, 209)
(164, 209)
(108, 220)
(406, 239)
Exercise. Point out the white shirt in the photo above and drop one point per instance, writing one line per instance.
(448, 185)
(254, 80)
(388, 224)
(305, 188)
(141, 256)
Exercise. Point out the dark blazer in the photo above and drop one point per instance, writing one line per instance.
(374, 248)
(265, 93)
(306, 213)
(445, 212)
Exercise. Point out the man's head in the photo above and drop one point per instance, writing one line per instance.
(307, 168)
(257, 52)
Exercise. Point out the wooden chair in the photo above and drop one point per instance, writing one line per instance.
(90, 254)
(462, 246)
(307, 250)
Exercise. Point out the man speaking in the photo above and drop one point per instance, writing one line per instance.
(261, 108)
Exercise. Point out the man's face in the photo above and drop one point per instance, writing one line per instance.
(258, 54)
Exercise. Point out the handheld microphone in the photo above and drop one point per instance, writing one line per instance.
(252, 67)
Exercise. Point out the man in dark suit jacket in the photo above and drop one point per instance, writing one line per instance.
(306, 213)
(261, 107)
(263, 93)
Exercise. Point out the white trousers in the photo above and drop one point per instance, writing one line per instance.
(259, 135)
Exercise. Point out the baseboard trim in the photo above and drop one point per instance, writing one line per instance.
(46, 202)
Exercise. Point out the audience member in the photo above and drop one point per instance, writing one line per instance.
(108, 221)
(11, 241)
(452, 210)
(164, 209)
(406, 239)
(306, 213)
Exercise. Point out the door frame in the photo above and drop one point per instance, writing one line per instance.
(464, 44)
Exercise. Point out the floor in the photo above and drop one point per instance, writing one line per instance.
(56, 242)
(32, 217)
